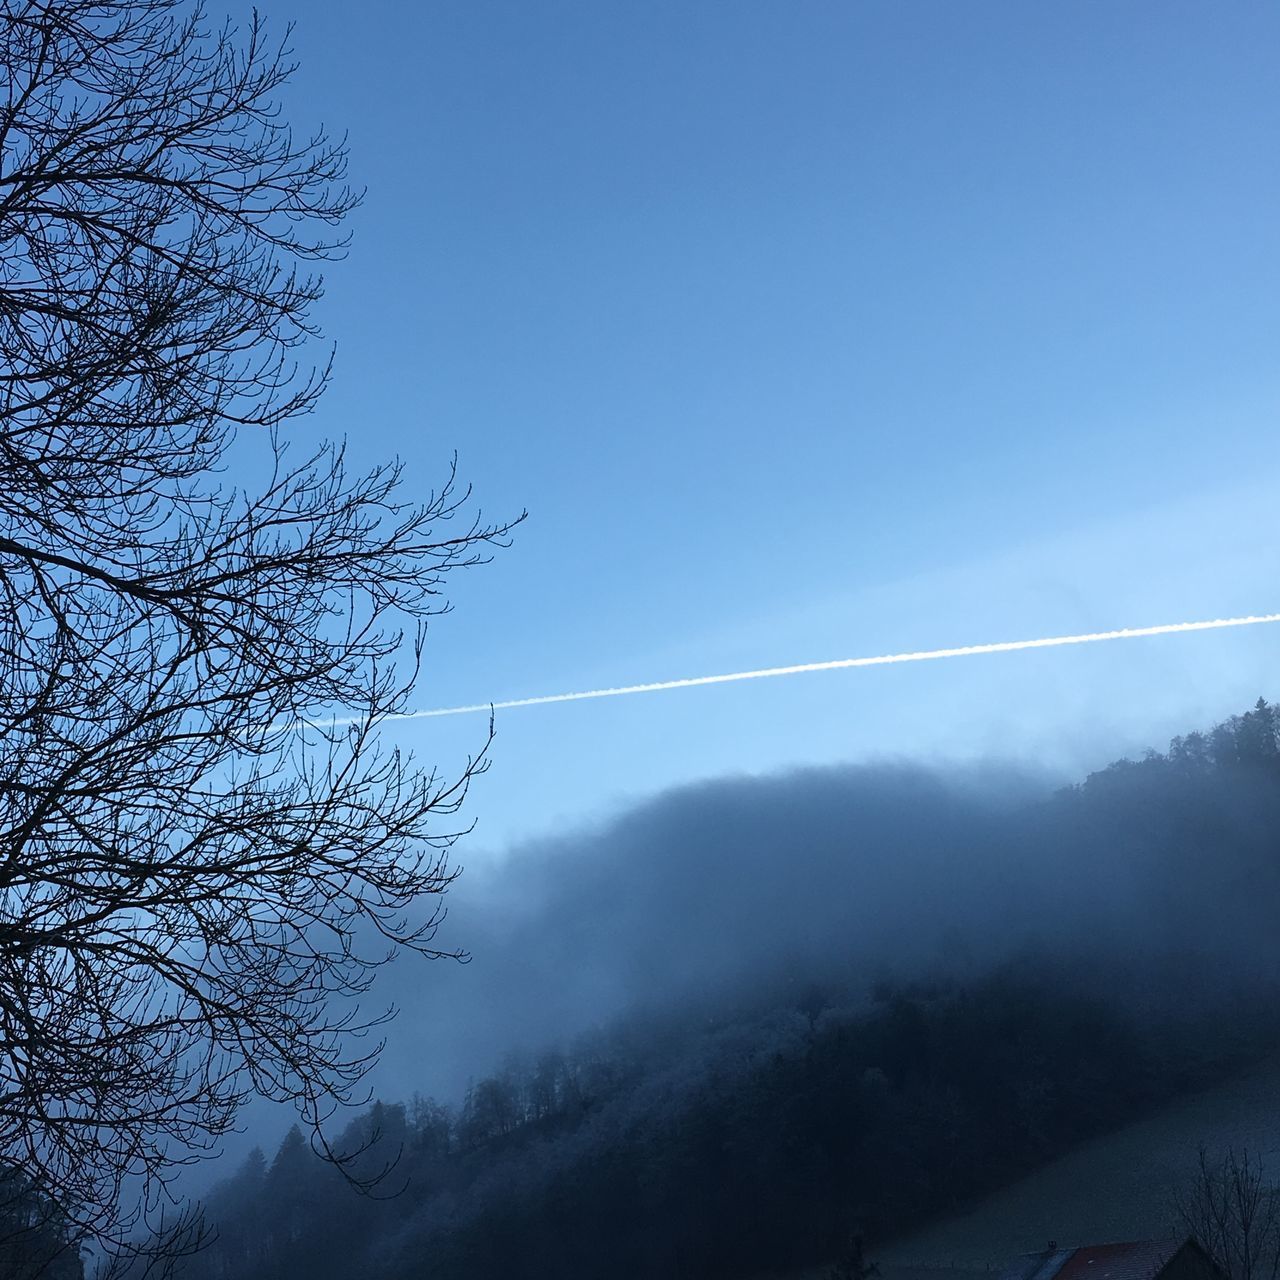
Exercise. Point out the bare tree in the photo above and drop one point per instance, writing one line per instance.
(1232, 1209)
(204, 851)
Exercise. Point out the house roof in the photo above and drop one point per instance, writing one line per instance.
(1140, 1260)
(1134, 1260)
(1037, 1266)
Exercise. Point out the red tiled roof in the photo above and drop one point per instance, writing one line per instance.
(1133, 1260)
(1138, 1260)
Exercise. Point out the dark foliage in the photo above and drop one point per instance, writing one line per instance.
(37, 1240)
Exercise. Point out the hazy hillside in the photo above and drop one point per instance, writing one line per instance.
(991, 986)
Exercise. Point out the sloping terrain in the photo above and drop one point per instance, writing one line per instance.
(1115, 1187)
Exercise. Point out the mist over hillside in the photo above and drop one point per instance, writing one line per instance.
(731, 888)
(749, 1015)
(721, 888)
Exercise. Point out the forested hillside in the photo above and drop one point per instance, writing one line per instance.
(748, 1132)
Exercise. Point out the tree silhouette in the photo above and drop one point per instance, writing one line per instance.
(1232, 1209)
(204, 851)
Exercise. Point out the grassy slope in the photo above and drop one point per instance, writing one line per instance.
(1113, 1188)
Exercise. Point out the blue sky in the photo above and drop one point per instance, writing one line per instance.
(811, 330)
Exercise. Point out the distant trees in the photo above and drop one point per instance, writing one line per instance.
(703, 1160)
(198, 864)
(1251, 740)
(36, 1236)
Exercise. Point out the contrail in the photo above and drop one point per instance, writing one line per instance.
(840, 664)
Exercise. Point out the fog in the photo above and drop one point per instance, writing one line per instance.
(1150, 883)
(733, 968)
(734, 888)
(731, 884)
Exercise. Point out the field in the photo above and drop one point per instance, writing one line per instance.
(1115, 1187)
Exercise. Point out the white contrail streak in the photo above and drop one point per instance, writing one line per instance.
(840, 664)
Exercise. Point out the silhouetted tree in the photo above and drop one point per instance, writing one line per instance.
(1232, 1209)
(203, 850)
(431, 1127)
(37, 1242)
(1256, 734)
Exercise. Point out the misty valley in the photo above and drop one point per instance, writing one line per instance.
(877, 996)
